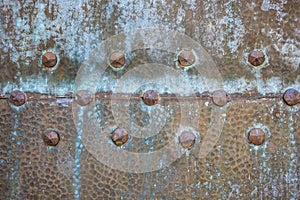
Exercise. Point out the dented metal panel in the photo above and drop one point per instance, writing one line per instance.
(149, 99)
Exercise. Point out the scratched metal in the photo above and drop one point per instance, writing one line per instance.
(228, 30)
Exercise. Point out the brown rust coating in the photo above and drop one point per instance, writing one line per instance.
(230, 161)
(51, 137)
(17, 98)
(117, 60)
(83, 97)
(187, 139)
(220, 97)
(211, 33)
(151, 97)
(291, 97)
(119, 136)
(186, 58)
(256, 58)
(29, 170)
(256, 136)
(49, 59)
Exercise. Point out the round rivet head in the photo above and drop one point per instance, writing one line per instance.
(83, 97)
(117, 60)
(256, 58)
(187, 139)
(291, 97)
(51, 137)
(151, 97)
(256, 136)
(119, 136)
(49, 59)
(220, 97)
(186, 59)
(17, 98)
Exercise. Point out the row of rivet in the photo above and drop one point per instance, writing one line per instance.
(151, 97)
(119, 136)
(185, 59)
(255, 136)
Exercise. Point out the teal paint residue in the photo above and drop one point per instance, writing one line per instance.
(76, 164)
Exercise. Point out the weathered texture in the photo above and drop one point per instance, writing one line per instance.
(49, 59)
(228, 30)
(119, 136)
(51, 137)
(17, 98)
(256, 58)
(187, 139)
(186, 58)
(234, 169)
(291, 97)
(117, 60)
(150, 97)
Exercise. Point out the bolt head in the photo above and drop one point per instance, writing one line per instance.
(49, 59)
(151, 97)
(256, 58)
(220, 97)
(291, 97)
(17, 98)
(256, 136)
(83, 97)
(187, 139)
(117, 60)
(186, 58)
(119, 136)
(51, 138)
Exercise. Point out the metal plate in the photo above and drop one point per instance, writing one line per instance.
(86, 164)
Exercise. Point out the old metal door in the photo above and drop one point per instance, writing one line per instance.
(149, 99)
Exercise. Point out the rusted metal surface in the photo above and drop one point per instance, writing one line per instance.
(117, 60)
(83, 97)
(223, 122)
(228, 30)
(256, 58)
(17, 98)
(256, 136)
(119, 136)
(291, 97)
(51, 137)
(220, 97)
(234, 169)
(151, 97)
(186, 58)
(187, 139)
(49, 59)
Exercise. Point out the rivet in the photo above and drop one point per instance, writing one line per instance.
(220, 97)
(117, 60)
(49, 59)
(291, 97)
(83, 97)
(51, 137)
(187, 139)
(17, 98)
(186, 58)
(151, 97)
(256, 58)
(119, 136)
(256, 136)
